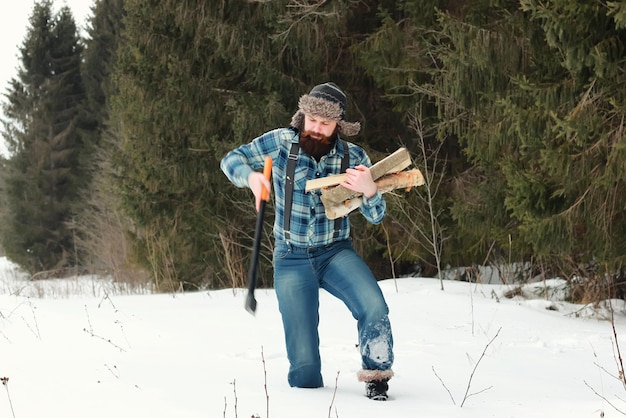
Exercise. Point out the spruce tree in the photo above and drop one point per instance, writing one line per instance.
(100, 225)
(531, 93)
(44, 173)
(571, 203)
(104, 35)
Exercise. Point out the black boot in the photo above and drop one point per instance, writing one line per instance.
(377, 389)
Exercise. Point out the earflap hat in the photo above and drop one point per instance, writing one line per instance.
(327, 101)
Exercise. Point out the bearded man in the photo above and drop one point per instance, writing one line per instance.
(312, 252)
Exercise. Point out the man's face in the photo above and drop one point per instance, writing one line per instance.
(318, 127)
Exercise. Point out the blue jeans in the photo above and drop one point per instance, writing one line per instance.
(298, 275)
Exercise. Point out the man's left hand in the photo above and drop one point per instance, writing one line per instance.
(360, 180)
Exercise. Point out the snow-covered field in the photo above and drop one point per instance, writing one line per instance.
(85, 347)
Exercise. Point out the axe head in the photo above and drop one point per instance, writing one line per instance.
(251, 303)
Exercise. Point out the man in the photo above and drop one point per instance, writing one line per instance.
(311, 251)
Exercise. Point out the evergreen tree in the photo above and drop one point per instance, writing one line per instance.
(99, 224)
(104, 35)
(44, 173)
(568, 188)
(532, 95)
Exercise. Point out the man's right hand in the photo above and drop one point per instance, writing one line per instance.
(257, 182)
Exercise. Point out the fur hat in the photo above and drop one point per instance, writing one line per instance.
(327, 101)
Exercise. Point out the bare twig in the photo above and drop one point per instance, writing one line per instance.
(330, 408)
(90, 332)
(233, 259)
(604, 398)
(618, 353)
(36, 330)
(235, 395)
(106, 297)
(267, 396)
(604, 369)
(299, 10)
(618, 360)
(391, 261)
(5, 383)
(422, 226)
(469, 383)
(444, 386)
(433, 181)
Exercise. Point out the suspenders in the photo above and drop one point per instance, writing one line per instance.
(290, 174)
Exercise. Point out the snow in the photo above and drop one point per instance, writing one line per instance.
(87, 347)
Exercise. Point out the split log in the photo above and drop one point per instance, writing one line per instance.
(398, 180)
(395, 162)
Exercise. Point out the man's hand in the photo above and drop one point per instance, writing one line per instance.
(257, 182)
(360, 180)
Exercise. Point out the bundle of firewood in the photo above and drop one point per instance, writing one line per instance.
(387, 173)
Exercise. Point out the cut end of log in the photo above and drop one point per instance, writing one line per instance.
(403, 180)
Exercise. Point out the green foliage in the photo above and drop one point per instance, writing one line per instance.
(42, 125)
(528, 103)
(104, 34)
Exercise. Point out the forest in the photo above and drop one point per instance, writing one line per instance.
(513, 111)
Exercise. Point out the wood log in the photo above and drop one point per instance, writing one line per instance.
(325, 182)
(402, 180)
(395, 162)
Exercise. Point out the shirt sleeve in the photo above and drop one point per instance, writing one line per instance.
(240, 162)
(374, 208)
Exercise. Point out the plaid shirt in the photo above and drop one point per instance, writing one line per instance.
(309, 225)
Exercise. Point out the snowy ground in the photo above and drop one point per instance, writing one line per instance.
(86, 348)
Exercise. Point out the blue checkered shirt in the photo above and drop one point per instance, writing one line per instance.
(309, 225)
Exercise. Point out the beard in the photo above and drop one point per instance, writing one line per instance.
(317, 145)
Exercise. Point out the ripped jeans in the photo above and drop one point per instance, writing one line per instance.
(299, 273)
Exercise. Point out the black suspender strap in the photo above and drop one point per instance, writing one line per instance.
(345, 163)
(289, 177)
(290, 174)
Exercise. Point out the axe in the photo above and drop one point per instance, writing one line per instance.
(256, 248)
